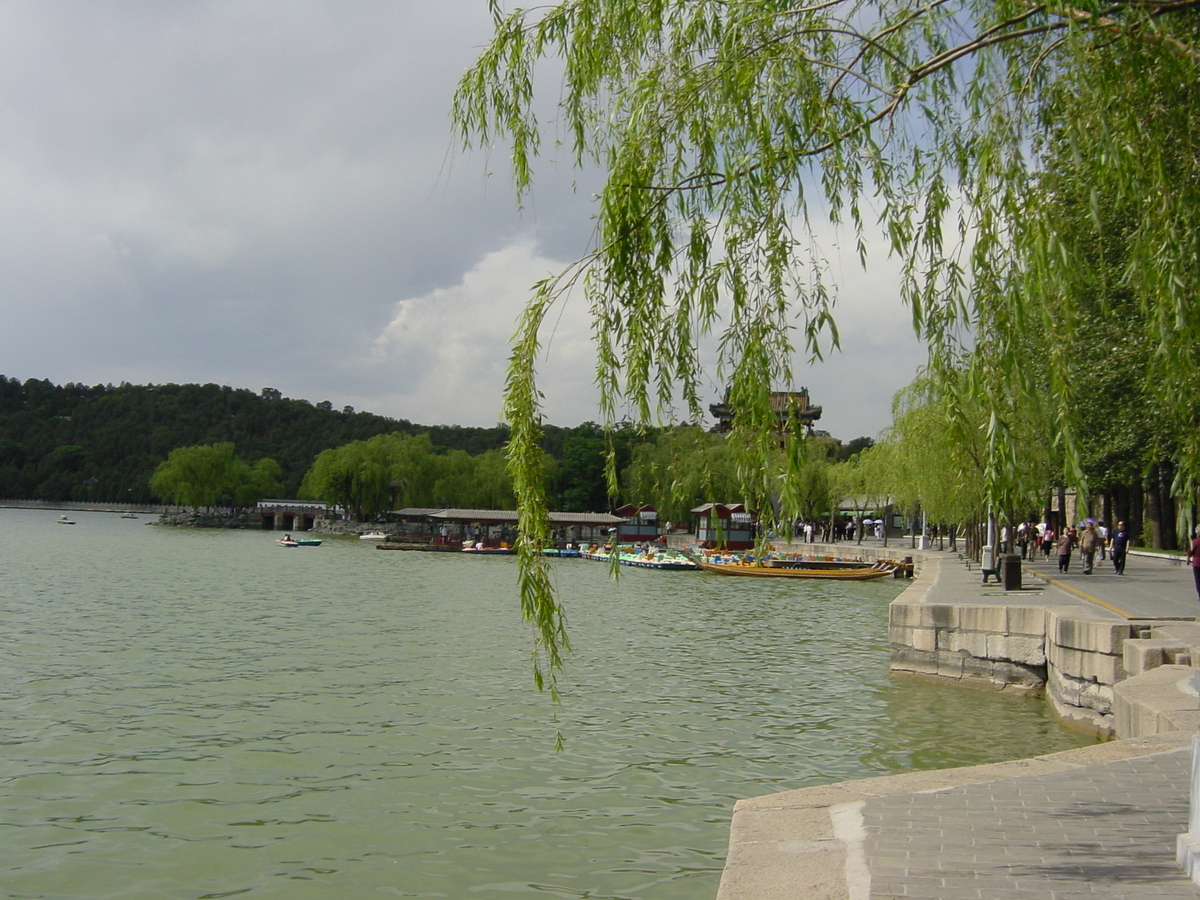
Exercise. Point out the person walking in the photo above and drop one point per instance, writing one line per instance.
(1193, 558)
(1120, 545)
(1089, 542)
(1065, 543)
(1047, 542)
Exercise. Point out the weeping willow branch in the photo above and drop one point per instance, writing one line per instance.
(522, 410)
(719, 121)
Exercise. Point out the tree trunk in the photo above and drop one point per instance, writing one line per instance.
(1170, 520)
(1122, 505)
(1137, 513)
(1153, 536)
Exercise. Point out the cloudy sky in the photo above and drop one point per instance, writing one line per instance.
(262, 194)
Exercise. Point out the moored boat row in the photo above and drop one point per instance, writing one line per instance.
(770, 564)
(645, 556)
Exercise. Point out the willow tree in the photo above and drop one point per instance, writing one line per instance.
(679, 469)
(383, 472)
(206, 474)
(728, 128)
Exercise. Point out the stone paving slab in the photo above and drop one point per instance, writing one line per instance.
(1100, 831)
(1098, 821)
(1151, 588)
(797, 845)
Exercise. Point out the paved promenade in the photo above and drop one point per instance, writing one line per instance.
(1151, 588)
(1097, 822)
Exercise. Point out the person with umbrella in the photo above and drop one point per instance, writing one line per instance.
(1089, 543)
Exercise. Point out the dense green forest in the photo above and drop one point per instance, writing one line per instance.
(103, 442)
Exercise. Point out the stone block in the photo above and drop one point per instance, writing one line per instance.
(1019, 648)
(1086, 666)
(1030, 620)
(1065, 690)
(905, 659)
(1098, 697)
(1154, 701)
(923, 639)
(981, 669)
(973, 643)
(992, 619)
(1141, 655)
(942, 615)
(950, 665)
(904, 614)
(1181, 632)
(1095, 635)
(1083, 717)
(1017, 676)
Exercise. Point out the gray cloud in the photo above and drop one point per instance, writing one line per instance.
(256, 194)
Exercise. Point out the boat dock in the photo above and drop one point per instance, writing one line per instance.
(1102, 821)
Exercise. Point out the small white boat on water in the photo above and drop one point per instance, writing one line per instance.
(129, 515)
(64, 520)
(375, 536)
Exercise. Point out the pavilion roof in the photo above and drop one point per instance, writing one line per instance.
(507, 516)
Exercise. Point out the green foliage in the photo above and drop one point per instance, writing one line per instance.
(394, 471)
(808, 491)
(679, 469)
(75, 442)
(726, 126)
(211, 474)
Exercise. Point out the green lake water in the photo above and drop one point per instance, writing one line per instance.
(202, 714)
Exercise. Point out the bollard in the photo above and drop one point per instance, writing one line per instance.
(1012, 572)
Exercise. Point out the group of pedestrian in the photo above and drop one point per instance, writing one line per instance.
(837, 530)
(1091, 539)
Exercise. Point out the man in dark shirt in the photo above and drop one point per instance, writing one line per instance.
(1120, 544)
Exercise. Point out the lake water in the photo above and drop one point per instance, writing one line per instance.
(203, 714)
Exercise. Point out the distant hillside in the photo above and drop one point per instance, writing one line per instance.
(75, 442)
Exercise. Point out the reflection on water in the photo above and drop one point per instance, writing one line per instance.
(200, 714)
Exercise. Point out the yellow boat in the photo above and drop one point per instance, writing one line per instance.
(845, 572)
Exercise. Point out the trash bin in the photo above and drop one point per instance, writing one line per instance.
(1012, 571)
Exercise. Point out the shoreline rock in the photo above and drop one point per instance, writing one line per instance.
(226, 519)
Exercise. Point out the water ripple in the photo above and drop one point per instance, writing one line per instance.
(199, 714)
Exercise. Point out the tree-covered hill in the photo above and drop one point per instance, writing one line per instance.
(102, 443)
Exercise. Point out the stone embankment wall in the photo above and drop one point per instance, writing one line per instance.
(252, 519)
(209, 519)
(1122, 678)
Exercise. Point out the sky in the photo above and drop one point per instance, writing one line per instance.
(260, 194)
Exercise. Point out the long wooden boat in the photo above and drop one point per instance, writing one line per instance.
(834, 570)
(864, 573)
(783, 562)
